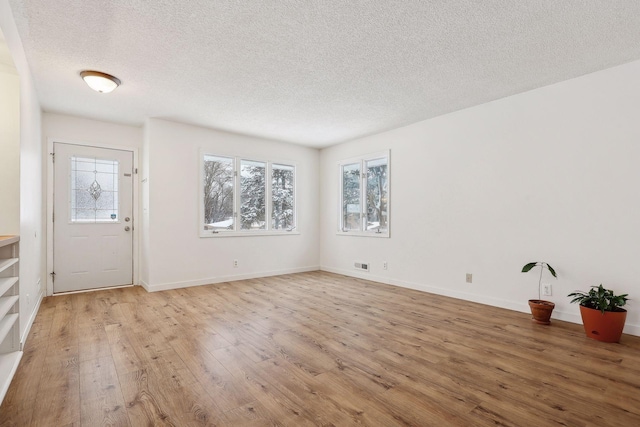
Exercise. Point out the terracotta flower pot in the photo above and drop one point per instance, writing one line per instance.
(541, 311)
(605, 327)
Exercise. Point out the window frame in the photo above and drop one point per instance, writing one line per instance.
(362, 162)
(237, 230)
(73, 197)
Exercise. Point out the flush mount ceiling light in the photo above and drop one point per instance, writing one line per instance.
(100, 82)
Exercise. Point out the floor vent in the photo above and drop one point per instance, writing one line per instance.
(361, 266)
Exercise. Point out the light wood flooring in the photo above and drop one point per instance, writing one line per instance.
(312, 349)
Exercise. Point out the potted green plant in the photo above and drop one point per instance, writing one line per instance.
(540, 309)
(601, 312)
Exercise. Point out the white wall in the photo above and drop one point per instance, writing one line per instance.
(78, 129)
(548, 175)
(177, 255)
(30, 176)
(32, 272)
(9, 152)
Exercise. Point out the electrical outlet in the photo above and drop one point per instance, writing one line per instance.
(546, 289)
(235, 263)
(469, 278)
(384, 265)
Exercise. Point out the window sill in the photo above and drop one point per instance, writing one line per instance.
(249, 233)
(363, 234)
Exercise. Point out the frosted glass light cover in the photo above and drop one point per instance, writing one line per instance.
(100, 82)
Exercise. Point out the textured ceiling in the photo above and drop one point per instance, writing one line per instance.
(313, 72)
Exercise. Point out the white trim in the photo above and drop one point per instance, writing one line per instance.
(136, 205)
(248, 233)
(49, 219)
(630, 329)
(362, 161)
(82, 291)
(145, 285)
(223, 279)
(365, 157)
(32, 317)
(362, 234)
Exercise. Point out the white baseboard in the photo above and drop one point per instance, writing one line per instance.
(630, 329)
(32, 318)
(497, 302)
(145, 285)
(222, 279)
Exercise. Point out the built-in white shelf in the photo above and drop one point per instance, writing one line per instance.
(6, 324)
(7, 303)
(8, 367)
(10, 346)
(6, 263)
(6, 283)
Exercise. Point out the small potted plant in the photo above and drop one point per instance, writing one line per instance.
(540, 309)
(602, 315)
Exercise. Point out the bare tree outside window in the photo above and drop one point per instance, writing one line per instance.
(218, 193)
(242, 196)
(351, 197)
(377, 191)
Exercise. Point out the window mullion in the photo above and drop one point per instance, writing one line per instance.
(236, 194)
(363, 195)
(267, 196)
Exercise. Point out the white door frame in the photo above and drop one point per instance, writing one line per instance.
(136, 215)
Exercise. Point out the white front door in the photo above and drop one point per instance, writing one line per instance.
(93, 217)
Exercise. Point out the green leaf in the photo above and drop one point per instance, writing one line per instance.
(553, 272)
(599, 298)
(528, 267)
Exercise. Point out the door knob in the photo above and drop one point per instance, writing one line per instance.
(127, 228)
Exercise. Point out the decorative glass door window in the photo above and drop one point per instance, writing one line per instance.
(94, 190)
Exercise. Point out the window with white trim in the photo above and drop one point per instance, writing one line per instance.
(364, 196)
(243, 196)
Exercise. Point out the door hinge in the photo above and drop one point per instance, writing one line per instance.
(53, 217)
(53, 276)
(135, 171)
(53, 157)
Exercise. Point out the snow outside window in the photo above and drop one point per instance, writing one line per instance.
(246, 197)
